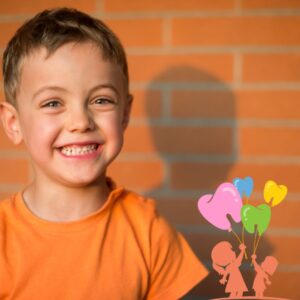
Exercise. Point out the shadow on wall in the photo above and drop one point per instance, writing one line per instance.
(195, 135)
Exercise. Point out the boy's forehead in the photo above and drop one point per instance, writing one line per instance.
(74, 60)
(43, 53)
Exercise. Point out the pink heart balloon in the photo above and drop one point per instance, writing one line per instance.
(225, 201)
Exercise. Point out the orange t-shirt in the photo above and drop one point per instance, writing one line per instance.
(125, 250)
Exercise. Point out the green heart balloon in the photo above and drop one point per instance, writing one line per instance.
(259, 216)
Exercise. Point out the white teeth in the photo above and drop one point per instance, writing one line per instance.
(77, 150)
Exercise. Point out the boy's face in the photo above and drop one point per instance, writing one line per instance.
(72, 111)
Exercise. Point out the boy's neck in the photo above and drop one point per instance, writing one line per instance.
(58, 203)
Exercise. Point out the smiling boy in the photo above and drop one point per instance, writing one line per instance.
(71, 233)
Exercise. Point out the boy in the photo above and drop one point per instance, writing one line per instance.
(72, 234)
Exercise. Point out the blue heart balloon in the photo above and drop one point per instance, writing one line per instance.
(244, 186)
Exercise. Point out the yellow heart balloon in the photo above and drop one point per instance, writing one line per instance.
(274, 192)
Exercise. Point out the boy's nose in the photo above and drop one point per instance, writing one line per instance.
(79, 119)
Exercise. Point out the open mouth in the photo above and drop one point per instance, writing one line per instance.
(76, 150)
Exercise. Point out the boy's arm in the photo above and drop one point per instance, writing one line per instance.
(174, 268)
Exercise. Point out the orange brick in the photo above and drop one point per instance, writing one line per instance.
(137, 175)
(281, 104)
(179, 140)
(5, 143)
(7, 30)
(180, 211)
(138, 32)
(203, 104)
(270, 67)
(190, 68)
(185, 211)
(284, 248)
(270, 4)
(285, 284)
(196, 176)
(15, 171)
(146, 104)
(258, 30)
(166, 5)
(33, 6)
(253, 104)
(270, 141)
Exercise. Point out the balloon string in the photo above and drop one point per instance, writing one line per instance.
(246, 256)
(243, 234)
(243, 231)
(255, 235)
(236, 236)
(243, 239)
(257, 243)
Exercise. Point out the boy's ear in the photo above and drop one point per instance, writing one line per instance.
(127, 111)
(10, 122)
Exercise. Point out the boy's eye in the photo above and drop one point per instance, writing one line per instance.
(51, 104)
(103, 101)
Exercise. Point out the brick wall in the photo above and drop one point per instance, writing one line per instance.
(217, 95)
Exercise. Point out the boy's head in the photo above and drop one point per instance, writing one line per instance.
(51, 29)
(66, 84)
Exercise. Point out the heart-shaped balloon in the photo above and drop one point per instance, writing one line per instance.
(259, 216)
(244, 186)
(225, 201)
(274, 193)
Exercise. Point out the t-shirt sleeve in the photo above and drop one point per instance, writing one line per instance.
(174, 268)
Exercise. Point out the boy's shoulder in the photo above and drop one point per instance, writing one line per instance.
(137, 205)
(144, 216)
(6, 209)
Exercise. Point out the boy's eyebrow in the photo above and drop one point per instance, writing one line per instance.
(48, 87)
(61, 89)
(107, 85)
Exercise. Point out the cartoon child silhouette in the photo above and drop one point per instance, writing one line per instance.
(227, 264)
(263, 271)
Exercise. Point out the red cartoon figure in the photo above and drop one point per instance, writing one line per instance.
(227, 264)
(263, 271)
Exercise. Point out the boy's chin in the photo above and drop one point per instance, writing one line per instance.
(82, 183)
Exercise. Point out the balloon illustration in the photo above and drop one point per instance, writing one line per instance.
(225, 201)
(259, 216)
(274, 193)
(244, 186)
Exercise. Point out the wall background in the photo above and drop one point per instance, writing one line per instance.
(217, 96)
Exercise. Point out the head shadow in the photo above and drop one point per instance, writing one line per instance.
(195, 126)
(192, 119)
